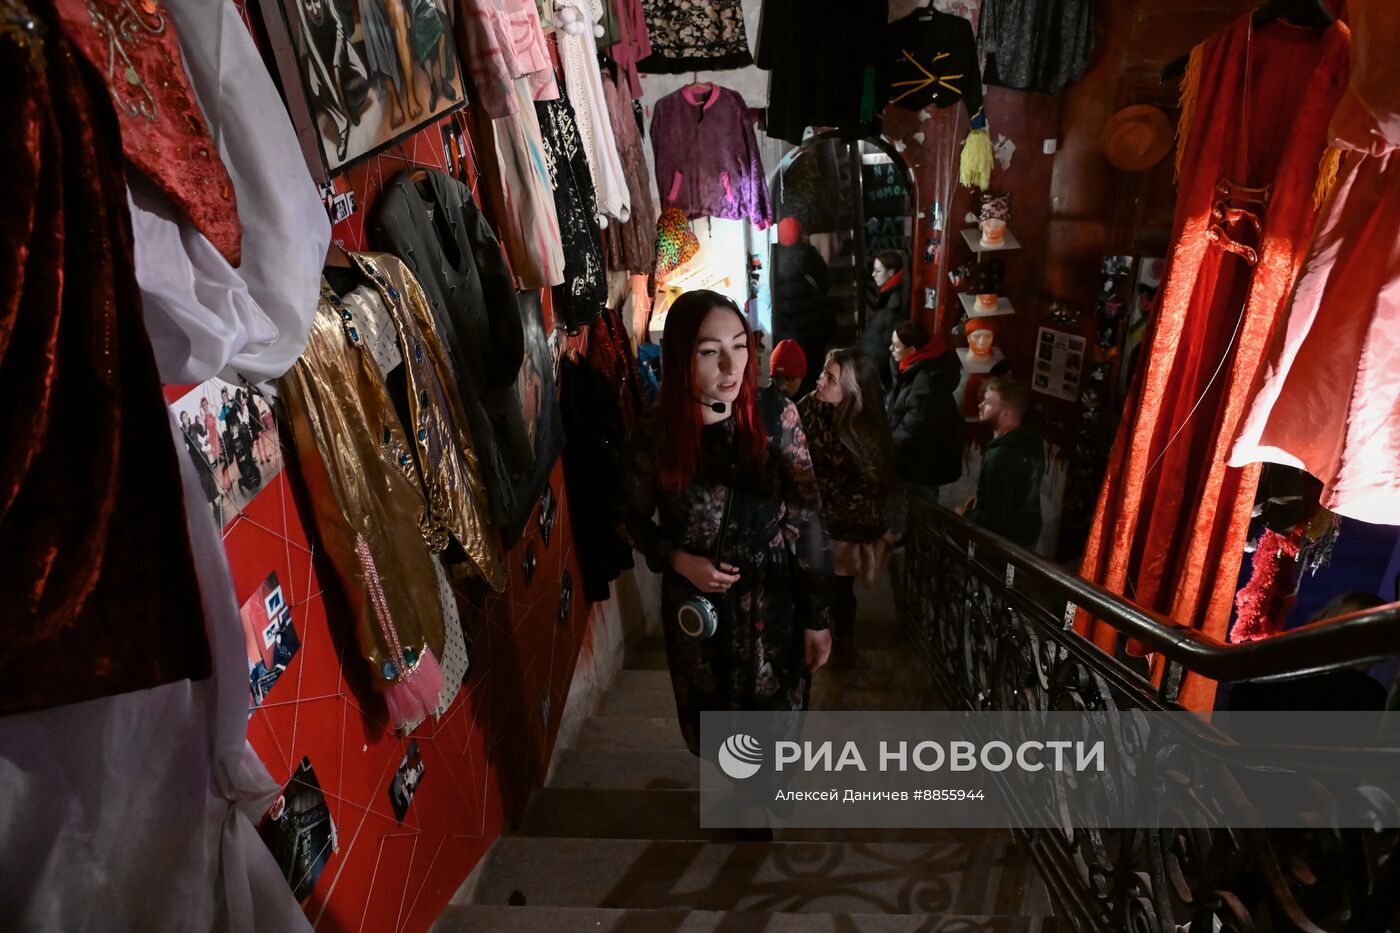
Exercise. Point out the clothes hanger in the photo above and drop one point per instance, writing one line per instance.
(696, 84)
(1312, 14)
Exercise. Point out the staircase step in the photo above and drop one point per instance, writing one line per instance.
(836, 696)
(674, 815)
(627, 769)
(579, 813)
(473, 918)
(967, 874)
(650, 660)
(637, 732)
(638, 693)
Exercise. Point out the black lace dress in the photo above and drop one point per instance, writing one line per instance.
(777, 540)
(584, 291)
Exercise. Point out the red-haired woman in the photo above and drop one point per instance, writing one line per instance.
(712, 432)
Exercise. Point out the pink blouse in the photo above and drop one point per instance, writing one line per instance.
(503, 40)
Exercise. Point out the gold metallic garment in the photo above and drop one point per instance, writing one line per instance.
(361, 476)
(456, 495)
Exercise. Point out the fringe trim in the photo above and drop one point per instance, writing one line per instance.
(1190, 91)
(975, 166)
(1327, 168)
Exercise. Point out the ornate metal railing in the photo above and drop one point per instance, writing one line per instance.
(994, 625)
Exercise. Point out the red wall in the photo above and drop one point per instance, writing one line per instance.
(486, 753)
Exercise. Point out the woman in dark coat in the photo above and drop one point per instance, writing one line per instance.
(713, 434)
(891, 309)
(924, 421)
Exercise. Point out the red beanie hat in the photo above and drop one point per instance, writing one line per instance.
(787, 360)
(789, 230)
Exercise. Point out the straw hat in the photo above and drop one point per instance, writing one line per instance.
(1137, 138)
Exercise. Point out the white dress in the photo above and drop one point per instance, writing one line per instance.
(584, 84)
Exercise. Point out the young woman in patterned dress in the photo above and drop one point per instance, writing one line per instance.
(713, 433)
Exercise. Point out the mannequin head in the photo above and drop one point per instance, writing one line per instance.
(980, 337)
(992, 218)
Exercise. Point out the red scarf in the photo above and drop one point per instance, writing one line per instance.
(892, 282)
(929, 351)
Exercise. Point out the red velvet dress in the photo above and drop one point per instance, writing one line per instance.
(1172, 517)
(98, 593)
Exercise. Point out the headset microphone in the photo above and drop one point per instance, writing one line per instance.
(718, 408)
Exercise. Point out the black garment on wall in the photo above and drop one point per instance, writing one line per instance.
(594, 442)
(1036, 45)
(434, 226)
(931, 58)
(585, 288)
(824, 58)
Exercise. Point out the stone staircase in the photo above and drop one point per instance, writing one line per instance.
(613, 842)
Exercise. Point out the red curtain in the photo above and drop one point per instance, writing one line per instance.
(1172, 518)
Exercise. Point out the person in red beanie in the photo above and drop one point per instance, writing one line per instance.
(787, 367)
(801, 311)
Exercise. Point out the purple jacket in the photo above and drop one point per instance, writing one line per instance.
(707, 160)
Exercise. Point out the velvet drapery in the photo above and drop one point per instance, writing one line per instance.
(1169, 530)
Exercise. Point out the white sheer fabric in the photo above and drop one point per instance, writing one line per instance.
(204, 316)
(578, 53)
(136, 811)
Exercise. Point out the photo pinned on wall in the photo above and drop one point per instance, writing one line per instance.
(360, 77)
(528, 563)
(270, 636)
(1059, 362)
(556, 351)
(451, 149)
(406, 781)
(231, 437)
(566, 597)
(548, 509)
(299, 831)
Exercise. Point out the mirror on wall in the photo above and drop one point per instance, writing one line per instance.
(838, 204)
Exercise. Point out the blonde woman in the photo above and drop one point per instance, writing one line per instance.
(849, 438)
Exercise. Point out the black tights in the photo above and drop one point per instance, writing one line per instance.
(843, 607)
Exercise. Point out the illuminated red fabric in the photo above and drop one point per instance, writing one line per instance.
(1170, 526)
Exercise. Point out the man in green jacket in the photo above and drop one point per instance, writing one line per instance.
(1008, 487)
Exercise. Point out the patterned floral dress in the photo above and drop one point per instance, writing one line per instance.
(777, 540)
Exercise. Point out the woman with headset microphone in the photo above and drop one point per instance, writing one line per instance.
(720, 497)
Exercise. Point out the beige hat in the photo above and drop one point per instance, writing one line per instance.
(1137, 138)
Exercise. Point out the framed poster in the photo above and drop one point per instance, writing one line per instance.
(1059, 361)
(539, 407)
(360, 75)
